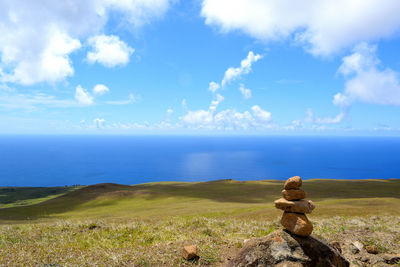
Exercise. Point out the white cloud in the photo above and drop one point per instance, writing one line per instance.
(232, 73)
(52, 64)
(170, 111)
(109, 51)
(311, 119)
(83, 97)
(322, 26)
(367, 81)
(213, 87)
(216, 102)
(228, 119)
(37, 39)
(99, 122)
(260, 114)
(328, 120)
(131, 99)
(246, 93)
(33, 102)
(100, 89)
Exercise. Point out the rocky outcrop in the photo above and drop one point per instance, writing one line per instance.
(282, 248)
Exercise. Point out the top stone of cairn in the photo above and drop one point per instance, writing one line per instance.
(293, 183)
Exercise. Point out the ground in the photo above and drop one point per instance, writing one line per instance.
(147, 224)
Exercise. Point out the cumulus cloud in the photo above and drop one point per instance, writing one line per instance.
(323, 27)
(367, 81)
(228, 119)
(83, 97)
(246, 93)
(170, 111)
(232, 73)
(213, 87)
(37, 40)
(100, 89)
(109, 51)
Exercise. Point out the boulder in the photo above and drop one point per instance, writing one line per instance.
(293, 183)
(189, 252)
(293, 194)
(282, 248)
(297, 223)
(299, 206)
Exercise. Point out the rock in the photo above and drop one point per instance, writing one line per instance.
(189, 252)
(293, 194)
(282, 248)
(293, 183)
(356, 247)
(372, 249)
(336, 245)
(297, 223)
(299, 206)
(391, 258)
(289, 264)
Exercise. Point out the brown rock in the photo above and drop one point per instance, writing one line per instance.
(336, 245)
(189, 252)
(293, 183)
(289, 264)
(299, 206)
(281, 248)
(297, 223)
(372, 249)
(391, 258)
(293, 194)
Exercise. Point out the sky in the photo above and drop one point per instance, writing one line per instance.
(252, 67)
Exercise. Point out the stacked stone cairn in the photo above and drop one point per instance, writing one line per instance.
(295, 207)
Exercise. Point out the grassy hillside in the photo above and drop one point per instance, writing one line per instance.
(147, 224)
(249, 199)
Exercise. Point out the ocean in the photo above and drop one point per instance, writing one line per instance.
(66, 160)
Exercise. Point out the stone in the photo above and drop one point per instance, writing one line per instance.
(282, 248)
(299, 206)
(297, 223)
(372, 249)
(356, 247)
(293, 183)
(391, 258)
(289, 264)
(189, 252)
(293, 194)
(336, 245)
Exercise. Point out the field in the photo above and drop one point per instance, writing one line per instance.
(147, 224)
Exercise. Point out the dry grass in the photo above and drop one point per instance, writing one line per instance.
(155, 243)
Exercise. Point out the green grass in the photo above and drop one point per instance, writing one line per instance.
(236, 199)
(147, 224)
(23, 196)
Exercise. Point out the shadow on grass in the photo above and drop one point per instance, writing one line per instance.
(220, 191)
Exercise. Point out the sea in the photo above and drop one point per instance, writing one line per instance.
(57, 160)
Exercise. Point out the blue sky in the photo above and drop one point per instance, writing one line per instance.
(200, 67)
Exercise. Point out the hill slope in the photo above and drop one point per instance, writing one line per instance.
(249, 199)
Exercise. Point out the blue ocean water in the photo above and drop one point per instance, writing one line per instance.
(67, 160)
